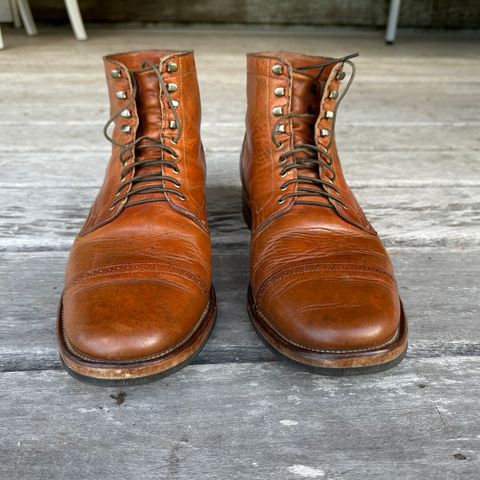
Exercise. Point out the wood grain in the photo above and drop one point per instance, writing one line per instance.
(443, 319)
(82, 100)
(362, 169)
(426, 216)
(247, 422)
(409, 142)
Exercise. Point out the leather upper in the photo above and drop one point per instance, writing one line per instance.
(139, 274)
(320, 276)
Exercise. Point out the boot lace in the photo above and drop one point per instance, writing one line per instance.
(146, 142)
(308, 186)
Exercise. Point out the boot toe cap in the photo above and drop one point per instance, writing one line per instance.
(332, 313)
(131, 320)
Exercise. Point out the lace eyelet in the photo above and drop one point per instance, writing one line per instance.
(176, 170)
(279, 145)
(283, 187)
(183, 198)
(175, 142)
(176, 185)
(282, 160)
(281, 200)
(283, 174)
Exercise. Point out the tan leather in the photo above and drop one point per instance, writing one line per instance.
(138, 279)
(321, 279)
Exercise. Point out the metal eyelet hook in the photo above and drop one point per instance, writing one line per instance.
(133, 141)
(315, 155)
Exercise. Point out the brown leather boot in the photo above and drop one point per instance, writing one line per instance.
(322, 290)
(138, 299)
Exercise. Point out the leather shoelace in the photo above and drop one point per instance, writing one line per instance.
(323, 158)
(146, 142)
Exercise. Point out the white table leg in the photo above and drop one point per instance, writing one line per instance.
(17, 21)
(27, 17)
(392, 21)
(76, 19)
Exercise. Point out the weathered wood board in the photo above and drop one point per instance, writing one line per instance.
(443, 319)
(88, 104)
(264, 421)
(408, 133)
(227, 137)
(363, 169)
(426, 216)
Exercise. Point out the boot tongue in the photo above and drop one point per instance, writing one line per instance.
(306, 97)
(149, 125)
(149, 111)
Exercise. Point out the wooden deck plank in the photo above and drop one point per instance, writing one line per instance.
(408, 137)
(362, 169)
(426, 216)
(247, 422)
(83, 101)
(411, 140)
(443, 319)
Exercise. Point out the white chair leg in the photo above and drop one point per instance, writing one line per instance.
(17, 21)
(392, 21)
(27, 17)
(76, 19)
(1, 39)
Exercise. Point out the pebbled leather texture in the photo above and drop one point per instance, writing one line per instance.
(138, 277)
(320, 277)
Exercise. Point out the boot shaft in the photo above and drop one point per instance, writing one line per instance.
(289, 156)
(157, 155)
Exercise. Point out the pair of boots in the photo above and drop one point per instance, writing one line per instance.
(138, 300)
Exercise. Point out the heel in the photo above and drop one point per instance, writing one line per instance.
(247, 214)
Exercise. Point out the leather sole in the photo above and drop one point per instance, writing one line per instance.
(334, 364)
(138, 372)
